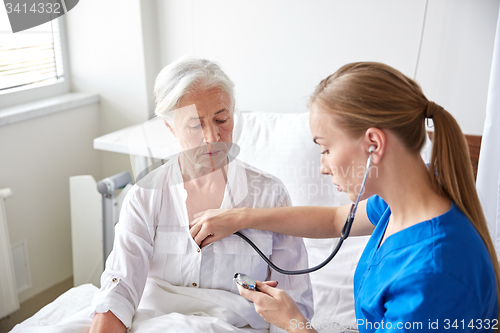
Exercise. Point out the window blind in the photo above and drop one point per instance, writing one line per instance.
(31, 57)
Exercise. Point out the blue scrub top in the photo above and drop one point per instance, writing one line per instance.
(433, 276)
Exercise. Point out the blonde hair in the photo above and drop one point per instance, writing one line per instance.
(370, 94)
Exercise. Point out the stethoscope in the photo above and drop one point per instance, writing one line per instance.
(247, 282)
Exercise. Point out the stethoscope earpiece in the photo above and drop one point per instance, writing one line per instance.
(371, 149)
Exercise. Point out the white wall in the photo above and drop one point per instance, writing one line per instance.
(277, 51)
(150, 39)
(37, 158)
(106, 54)
(456, 57)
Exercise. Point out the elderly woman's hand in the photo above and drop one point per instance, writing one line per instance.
(214, 224)
(276, 307)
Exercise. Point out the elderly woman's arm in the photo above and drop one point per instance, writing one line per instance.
(127, 267)
(107, 323)
(305, 221)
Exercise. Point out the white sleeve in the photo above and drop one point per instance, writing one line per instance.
(127, 267)
(290, 253)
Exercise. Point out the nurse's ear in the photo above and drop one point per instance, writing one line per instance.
(376, 138)
(169, 127)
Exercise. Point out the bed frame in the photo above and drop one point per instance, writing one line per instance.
(474, 142)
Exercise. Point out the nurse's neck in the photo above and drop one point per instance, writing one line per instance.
(405, 185)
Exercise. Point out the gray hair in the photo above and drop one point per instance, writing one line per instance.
(179, 78)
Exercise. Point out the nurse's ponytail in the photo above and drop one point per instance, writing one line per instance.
(451, 174)
(370, 94)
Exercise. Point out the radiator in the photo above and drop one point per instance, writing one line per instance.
(9, 301)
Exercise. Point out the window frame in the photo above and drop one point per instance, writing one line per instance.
(17, 96)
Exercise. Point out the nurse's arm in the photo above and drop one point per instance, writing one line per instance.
(303, 221)
(277, 308)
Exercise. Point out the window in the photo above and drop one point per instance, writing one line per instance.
(31, 58)
(31, 62)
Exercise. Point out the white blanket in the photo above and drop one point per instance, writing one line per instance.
(188, 310)
(68, 313)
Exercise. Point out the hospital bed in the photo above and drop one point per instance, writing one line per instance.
(277, 143)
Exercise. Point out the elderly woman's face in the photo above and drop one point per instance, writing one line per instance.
(204, 126)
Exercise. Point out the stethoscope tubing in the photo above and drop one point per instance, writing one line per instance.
(346, 229)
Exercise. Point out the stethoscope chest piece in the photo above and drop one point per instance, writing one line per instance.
(245, 281)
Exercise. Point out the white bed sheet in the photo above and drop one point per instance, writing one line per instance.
(196, 310)
(68, 313)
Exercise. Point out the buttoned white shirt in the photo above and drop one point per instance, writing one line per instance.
(152, 240)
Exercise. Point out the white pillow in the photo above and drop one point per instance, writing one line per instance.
(281, 144)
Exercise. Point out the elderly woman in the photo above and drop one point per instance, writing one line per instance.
(156, 270)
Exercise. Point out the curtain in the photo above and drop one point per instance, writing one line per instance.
(488, 176)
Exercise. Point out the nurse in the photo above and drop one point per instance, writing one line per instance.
(430, 262)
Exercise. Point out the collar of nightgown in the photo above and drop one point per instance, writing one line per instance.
(236, 186)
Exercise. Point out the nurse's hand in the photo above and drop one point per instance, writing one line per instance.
(214, 224)
(276, 306)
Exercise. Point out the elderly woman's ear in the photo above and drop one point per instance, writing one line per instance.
(169, 127)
